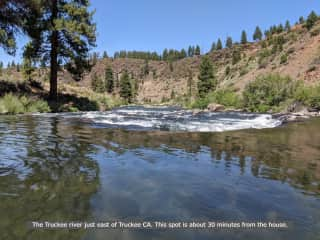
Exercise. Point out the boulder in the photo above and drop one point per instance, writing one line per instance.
(214, 107)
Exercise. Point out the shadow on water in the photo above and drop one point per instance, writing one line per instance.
(62, 169)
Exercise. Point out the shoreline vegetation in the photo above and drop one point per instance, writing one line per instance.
(270, 93)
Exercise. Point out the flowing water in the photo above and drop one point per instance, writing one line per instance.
(159, 164)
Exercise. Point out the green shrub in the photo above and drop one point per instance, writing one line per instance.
(268, 91)
(228, 70)
(10, 104)
(308, 95)
(236, 57)
(263, 63)
(201, 103)
(38, 106)
(226, 97)
(243, 71)
(283, 59)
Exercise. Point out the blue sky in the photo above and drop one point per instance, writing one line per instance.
(157, 24)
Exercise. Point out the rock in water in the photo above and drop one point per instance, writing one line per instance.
(214, 107)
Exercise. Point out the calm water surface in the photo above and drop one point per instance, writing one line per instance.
(71, 168)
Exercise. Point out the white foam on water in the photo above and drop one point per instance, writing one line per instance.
(177, 119)
(183, 121)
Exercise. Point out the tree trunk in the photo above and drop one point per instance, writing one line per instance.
(54, 55)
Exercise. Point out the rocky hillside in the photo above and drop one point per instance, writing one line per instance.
(295, 53)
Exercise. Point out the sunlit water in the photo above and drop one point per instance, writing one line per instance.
(158, 164)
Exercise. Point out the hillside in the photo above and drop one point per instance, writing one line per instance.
(295, 53)
(301, 48)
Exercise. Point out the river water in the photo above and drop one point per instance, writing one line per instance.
(159, 164)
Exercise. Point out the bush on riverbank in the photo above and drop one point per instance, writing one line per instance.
(11, 104)
(274, 92)
(309, 96)
(267, 92)
(225, 97)
(271, 92)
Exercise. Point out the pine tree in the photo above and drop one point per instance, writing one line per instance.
(287, 26)
(27, 68)
(257, 34)
(105, 55)
(213, 47)
(116, 55)
(229, 42)
(18, 67)
(190, 51)
(165, 54)
(301, 20)
(244, 37)
(63, 34)
(219, 44)
(13, 15)
(280, 28)
(125, 87)
(207, 80)
(311, 20)
(183, 53)
(197, 51)
(97, 84)
(109, 81)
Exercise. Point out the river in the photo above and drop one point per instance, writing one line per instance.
(159, 164)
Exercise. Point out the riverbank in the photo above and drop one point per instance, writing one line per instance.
(32, 96)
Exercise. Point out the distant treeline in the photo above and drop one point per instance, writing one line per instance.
(174, 54)
(167, 54)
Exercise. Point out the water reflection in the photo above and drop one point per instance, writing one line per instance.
(61, 169)
(289, 154)
(46, 174)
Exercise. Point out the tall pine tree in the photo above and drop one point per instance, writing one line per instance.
(197, 51)
(207, 80)
(229, 42)
(287, 26)
(244, 37)
(63, 34)
(109, 81)
(27, 68)
(219, 44)
(125, 87)
(257, 35)
(213, 47)
(311, 20)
